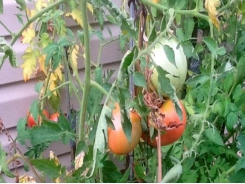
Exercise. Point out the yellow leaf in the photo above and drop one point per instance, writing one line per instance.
(76, 15)
(29, 64)
(26, 179)
(74, 57)
(90, 7)
(30, 13)
(42, 64)
(28, 35)
(211, 6)
(40, 4)
(58, 73)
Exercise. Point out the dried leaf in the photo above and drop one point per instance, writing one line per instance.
(41, 60)
(52, 156)
(26, 179)
(211, 6)
(79, 160)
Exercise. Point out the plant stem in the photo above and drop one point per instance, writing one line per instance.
(6, 28)
(16, 156)
(58, 87)
(194, 12)
(99, 87)
(36, 16)
(227, 5)
(159, 157)
(87, 82)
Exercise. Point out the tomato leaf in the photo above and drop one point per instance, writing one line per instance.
(214, 136)
(3, 164)
(8, 52)
(1, 6)
(51, 132)
(240, 74)
(240, 164)
(170, 54)
(231, 120)
(23, 134)
(241, 140)
(237, 177)
(110, 172)
(139, 79)
(48, 167)
(188, 27)
(34, 110)
(173, 174)
(166, 87)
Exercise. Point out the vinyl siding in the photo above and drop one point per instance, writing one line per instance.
(16, 95)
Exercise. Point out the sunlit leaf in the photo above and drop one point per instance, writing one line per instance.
(214, 136)
(76, 15)
(3, 165)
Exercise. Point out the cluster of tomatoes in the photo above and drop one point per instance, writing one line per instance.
(31, 122)
(117, 140)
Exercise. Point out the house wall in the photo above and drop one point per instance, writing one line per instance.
(17, 95)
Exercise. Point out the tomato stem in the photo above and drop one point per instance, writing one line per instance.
(87, 79)
(159, 156)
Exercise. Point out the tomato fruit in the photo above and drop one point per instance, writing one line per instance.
(30, 120)
(177, 74)
(54, 117)
(117, 140)
(171, 120)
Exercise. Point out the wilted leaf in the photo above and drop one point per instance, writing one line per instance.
(211, 6)
(90, 7)
(26, 179)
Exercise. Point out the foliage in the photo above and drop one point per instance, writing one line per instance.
(212, 35)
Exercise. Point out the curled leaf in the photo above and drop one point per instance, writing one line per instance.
(211, 6)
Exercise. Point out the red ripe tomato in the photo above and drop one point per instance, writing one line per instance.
(170, 118)
(54, 117)
(117, 140)
(30, 120)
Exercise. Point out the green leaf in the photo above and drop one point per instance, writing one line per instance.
(241, 140)
(231, 120)
(34, 110)
(214, 136)
(22, 4)
(188, 27)
(38, 86)
(3, 165)
(173, 174)
(23, 134)
(237, 177)
(100, 136)
(180, 34)
(54, 101)
(124, 178)
(240, 70)
(170, 54)
(110, 172)
(48, 167)
(8, 52)
(228, 82)
(212, 45)
(1, 6)
(49, 132)
(240, 164)
(139, 80)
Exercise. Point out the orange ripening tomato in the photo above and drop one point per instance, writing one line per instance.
(117, 140)
(30, 120)
(170, 119)
(54, 117)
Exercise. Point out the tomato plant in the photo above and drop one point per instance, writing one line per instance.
(117, 140)
(169, 123)
(180, 79)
